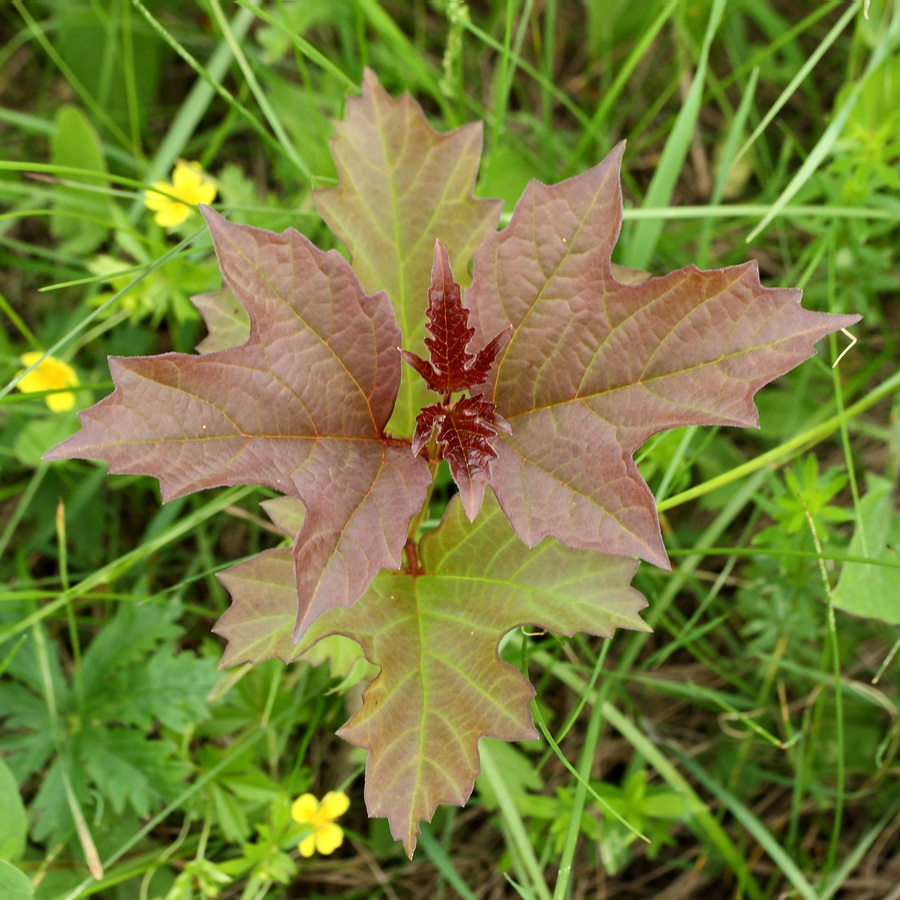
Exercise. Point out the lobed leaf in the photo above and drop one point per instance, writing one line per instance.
(300, 407)
(465, 427)
(465, 431)
(402, 186)
(452, 367)
(442, 685)
(587, 360)
(595, 367)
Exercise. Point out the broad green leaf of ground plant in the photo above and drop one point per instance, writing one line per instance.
(595, 367)
(434, 636)
(130, 675)
(14, 883)
(873, 590)
(79, 215)
(300, 407)
(404, 185)
(14, 821)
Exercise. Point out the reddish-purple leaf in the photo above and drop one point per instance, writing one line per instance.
(466, 426)
(465, 432)
(595, 367)
(402, 186)
(300, 407)
(442, 685)
(452, 367)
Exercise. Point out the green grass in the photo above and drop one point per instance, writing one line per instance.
(752, 737)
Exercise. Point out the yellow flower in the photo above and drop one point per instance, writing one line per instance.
(326, 837)
(189, 185)
(50, 375)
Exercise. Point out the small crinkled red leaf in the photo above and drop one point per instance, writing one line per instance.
(484, 359)
(595, 366)
(403, 185)
(442, 685)
(426, 422)
(452, 367)
(466, 431)
(300, 407)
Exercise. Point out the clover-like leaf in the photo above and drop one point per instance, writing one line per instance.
(595, 367)
(442, 685)
(402, 186)
(300, 407)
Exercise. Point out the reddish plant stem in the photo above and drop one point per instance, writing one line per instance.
(412, 560)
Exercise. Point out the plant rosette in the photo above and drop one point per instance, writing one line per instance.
(539, 384)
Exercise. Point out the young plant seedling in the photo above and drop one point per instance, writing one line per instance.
(540, 387)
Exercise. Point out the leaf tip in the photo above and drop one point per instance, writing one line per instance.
(471, 493)
(60, 451)
(208, 213)
(441, 266)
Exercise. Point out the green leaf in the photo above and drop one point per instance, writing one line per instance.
(76, 144)
(14, 884)
(131, 770)
(134, 630)
(13, 821)
(404, 185)
(226, 320)
(229, 814)
(871, 590)
(518, 773)
(36, 435)
(52, 815)
(170, 687)
(442, 685)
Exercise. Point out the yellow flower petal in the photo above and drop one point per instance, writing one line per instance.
(187, 176)
(189, 185)
(51, 374)
(206, 193)
(307, 846)
(328, 838)
(304, 808)
(335, 804)
(153, 200)
(173, 214)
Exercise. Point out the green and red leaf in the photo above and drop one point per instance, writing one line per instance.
(404, 185)
(442, 685)
(579, 363)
